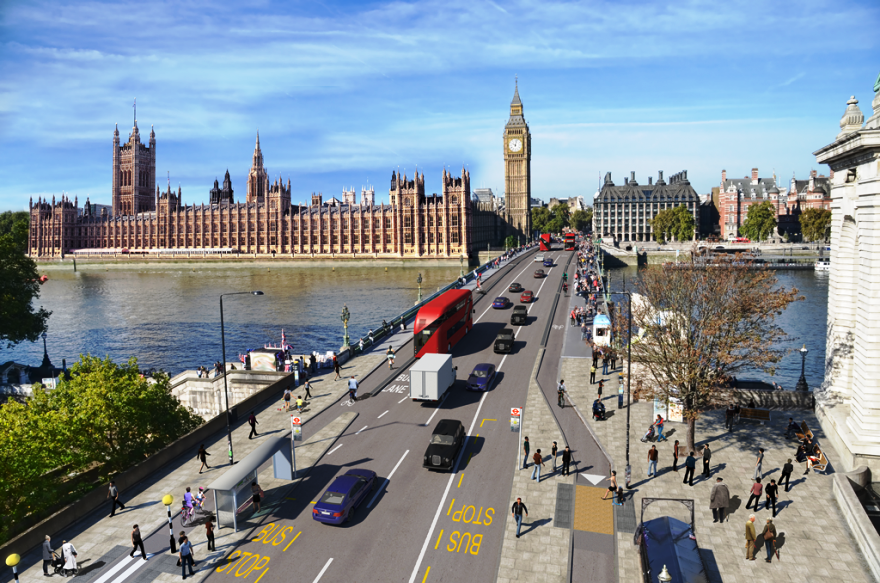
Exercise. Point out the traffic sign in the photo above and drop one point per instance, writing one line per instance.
(296, 428)
(295, 420)
(515, 412)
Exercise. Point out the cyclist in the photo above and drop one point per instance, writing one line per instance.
(560, 390)
(200, 497)
(187, 510)
(565, 276)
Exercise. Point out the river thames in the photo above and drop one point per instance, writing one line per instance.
(170, 318)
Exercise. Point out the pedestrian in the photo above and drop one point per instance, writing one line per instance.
(307, 386)
(787, 469)
(48, 555)
(601, 386)
(750, 538)
(256, 491)
(758, 461)
(252, 421)
(137, 542)
(286, 399)
(652, 461)
(769, 535)
(180, 538)
(525, 452)
(186, 557)
(613, 360)
(313, 363)
(209, 532)
(517, 511)
(771, 492)
(68, 553)
(566, 461)
(707, 457)
(792, 428)
(604, 364)
(203, 456)
(690, 464)
(560, 393)
(658, 423)
(593, 372)
(539, 463)
(352, 389)
(554, 451)
(299, 404)
(675, 456)
(336, 368)
(113, 494)
(755, 494)
(729, 416)
(390, 356)
(719, 500)
(612, 487)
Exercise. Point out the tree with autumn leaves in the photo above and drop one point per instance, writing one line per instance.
(695, 328)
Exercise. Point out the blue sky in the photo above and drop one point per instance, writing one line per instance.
(342, 93)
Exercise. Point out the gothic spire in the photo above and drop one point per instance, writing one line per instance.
(516, 100)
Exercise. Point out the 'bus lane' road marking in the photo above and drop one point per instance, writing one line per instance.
(385, 483)
(334, 449)
(321, 574)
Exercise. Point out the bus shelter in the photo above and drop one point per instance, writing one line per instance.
(602, 330)
(232, 490)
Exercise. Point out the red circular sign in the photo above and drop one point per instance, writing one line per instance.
(296, 421)
(514, 412)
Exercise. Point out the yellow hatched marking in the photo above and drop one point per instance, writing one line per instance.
(484, 420)
(459, 480)
(439, 538)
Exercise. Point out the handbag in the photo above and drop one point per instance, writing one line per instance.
(768, 535)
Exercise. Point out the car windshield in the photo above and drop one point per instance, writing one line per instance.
(480, 373)
(442, 439)
(501, 300)
(334, 498)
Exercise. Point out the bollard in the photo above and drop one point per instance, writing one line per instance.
(168, 500)
(12, 561)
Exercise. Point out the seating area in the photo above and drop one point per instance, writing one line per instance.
(805, 432)
(820, 462)
(761, 415)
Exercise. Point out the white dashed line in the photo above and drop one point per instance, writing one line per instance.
(382, 415)
(385, 483)
(402, 400)
(437, 409)
(334, 449)
(361, 429)
(321, 574)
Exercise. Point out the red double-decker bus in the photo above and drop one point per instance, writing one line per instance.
(442, 322)
(569, 241)
(546, 242)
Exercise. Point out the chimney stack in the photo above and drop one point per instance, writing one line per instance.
(650, 180)
(754, 176)
(723, 176)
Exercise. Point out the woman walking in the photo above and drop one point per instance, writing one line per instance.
(612, 488)
(390, 356)
(256, 490)
(202, 455)
(336, 367)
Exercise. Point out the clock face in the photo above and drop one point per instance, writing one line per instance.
(514, 145)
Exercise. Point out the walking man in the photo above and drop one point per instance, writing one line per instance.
(203, 456)
(113, 494)
(525, 452)
(186, 557)
(729, 416)
(560, 392)
(652, 461)
(707, 456)
(675, 456)
(137, 542)
(517, 510)
(553, 452)
(750, 538)
(604, 364)
(758, 461)
(719, 500)
(755, 494)
(787, 469)
(307, 386)
(48, 555)
(566, 461)
(539, 463)
(613, 360)
(690, 464)
(612, 487)
(771, 492)
(252, 421)
(769, 535)
(352, 389)
(209, 531)
(593, 371)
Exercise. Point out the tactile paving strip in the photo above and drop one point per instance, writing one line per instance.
(591, 513)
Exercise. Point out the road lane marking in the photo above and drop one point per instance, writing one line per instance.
(137, 565)
(290, 543)
(361, 429)
(443, 499)
(116, 568)
(437, 409)
(382, 415)
(385, 483)
(321, 574)
(490, 305)
(328, 453)
(484, 420)
(475, 437)
(402, 400)
(425, 578)
(459, 486)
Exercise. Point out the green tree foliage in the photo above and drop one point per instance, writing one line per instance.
(760, 221)
(106, 416)
(19, 283)
(560, 218)
(540, 218)
(510, 242)
(815, 224)
(677, 222)
(581, 220)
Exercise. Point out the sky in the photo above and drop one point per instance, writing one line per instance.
(342, 93)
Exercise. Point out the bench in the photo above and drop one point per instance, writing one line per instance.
(822, 464)
(805, 432)
(761, 415)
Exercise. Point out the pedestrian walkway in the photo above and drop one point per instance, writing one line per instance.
(809, 522)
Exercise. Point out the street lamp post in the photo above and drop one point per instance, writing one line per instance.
(802, 382)
(628, 471)
(419, 281)
(461, 261)
(225, 386)
(346, 315)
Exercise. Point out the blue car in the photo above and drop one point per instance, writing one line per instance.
(344, 495)
(500, 303)
(481, 378)
(548, 263)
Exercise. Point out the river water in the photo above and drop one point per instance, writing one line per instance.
(170, 319)
(803, 321)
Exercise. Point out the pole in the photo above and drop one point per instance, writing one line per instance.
(168, 500)
(225, 392)
(628, 381)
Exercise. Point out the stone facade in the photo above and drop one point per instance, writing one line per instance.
(848, 403)
(518, 171)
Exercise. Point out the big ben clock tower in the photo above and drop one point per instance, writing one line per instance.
(517, 171)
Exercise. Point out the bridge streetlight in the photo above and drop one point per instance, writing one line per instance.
(346, 316)
(419, 281)
(223, 362)
(461, 261)
(628, 471)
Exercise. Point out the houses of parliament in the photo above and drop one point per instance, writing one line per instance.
(143, 219)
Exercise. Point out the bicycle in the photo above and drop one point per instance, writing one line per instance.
(561, 400)
(186, 515)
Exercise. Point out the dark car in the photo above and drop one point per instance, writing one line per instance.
(539, 273)
(343, 496)
(504, 340)
(527, 297)
(481, 378)
(515, 288)
(548, 262)
(500, 302)
(446, 441)
(520, 315)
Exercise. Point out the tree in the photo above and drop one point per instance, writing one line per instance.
(581, 220)
(815, 224)
(699, 327)
(760, 221)
(560, 218)
(510, 242)
(677, 222)
(19, 284)
(540, 218)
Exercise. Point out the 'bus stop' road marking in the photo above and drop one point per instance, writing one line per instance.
(385, 483)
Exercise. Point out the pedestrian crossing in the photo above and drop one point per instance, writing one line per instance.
(126, 562)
